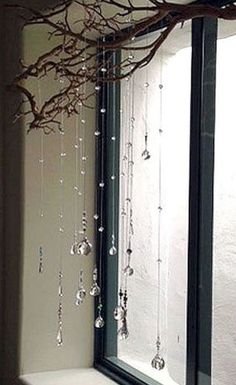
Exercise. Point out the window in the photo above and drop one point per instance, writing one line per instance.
(192, 211)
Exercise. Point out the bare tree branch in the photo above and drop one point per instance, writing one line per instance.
(85, 55)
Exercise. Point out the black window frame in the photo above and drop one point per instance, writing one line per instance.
(200, 238)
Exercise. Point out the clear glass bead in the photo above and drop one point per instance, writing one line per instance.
(96, 216)
(97, 88)
(103, 110)
(97, 133)
(113, 138)
(101, 184)
(101, 229)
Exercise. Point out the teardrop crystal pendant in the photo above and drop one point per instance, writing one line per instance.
(95, 289)
(74, 249)
(123, 332)
(81, 292)
(119, 313)
(99, 321)
(113, 249)
(84, 247)
(157, 361)
(128, 270)
(146, 154)
(74, 246)
(59, 337)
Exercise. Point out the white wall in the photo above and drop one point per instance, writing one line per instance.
(38, 348)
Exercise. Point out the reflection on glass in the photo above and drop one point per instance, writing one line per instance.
(167, 112)
(224, 285)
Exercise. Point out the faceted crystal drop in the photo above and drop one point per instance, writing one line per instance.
(119, 313)
(158, 362)
(59, 337)
(95, 290)
(146, 155)
(128, 270)
(123, 332)
(78, 301)
(74, 249)
(81, 293)
(84, 247)
(113, 250)
(99, 322)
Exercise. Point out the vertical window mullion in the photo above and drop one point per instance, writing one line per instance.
(206, 203)
(201, 202)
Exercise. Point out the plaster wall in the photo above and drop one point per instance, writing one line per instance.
(39, 351)
(143, 285)
(169, 113)
(29, 301)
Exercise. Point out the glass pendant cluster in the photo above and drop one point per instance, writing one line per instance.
(81, 245)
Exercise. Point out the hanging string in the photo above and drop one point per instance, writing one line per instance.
(123, 180)
(146, 154)
(41, 199)
(99, 321)
(74, 247)
(61, 236)
(158, 362)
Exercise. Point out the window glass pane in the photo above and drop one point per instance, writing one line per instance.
(224, 271)
(156, 304)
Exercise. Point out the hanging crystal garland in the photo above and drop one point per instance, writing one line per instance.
(146, 153)
(41, 199)
(120, 312)
(158, 361)
(84, 246)
(97, 273)
(77, 193)
(61, 236)
(128, 270)
(113, 248)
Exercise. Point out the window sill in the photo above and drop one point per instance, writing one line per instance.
(66, 377)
